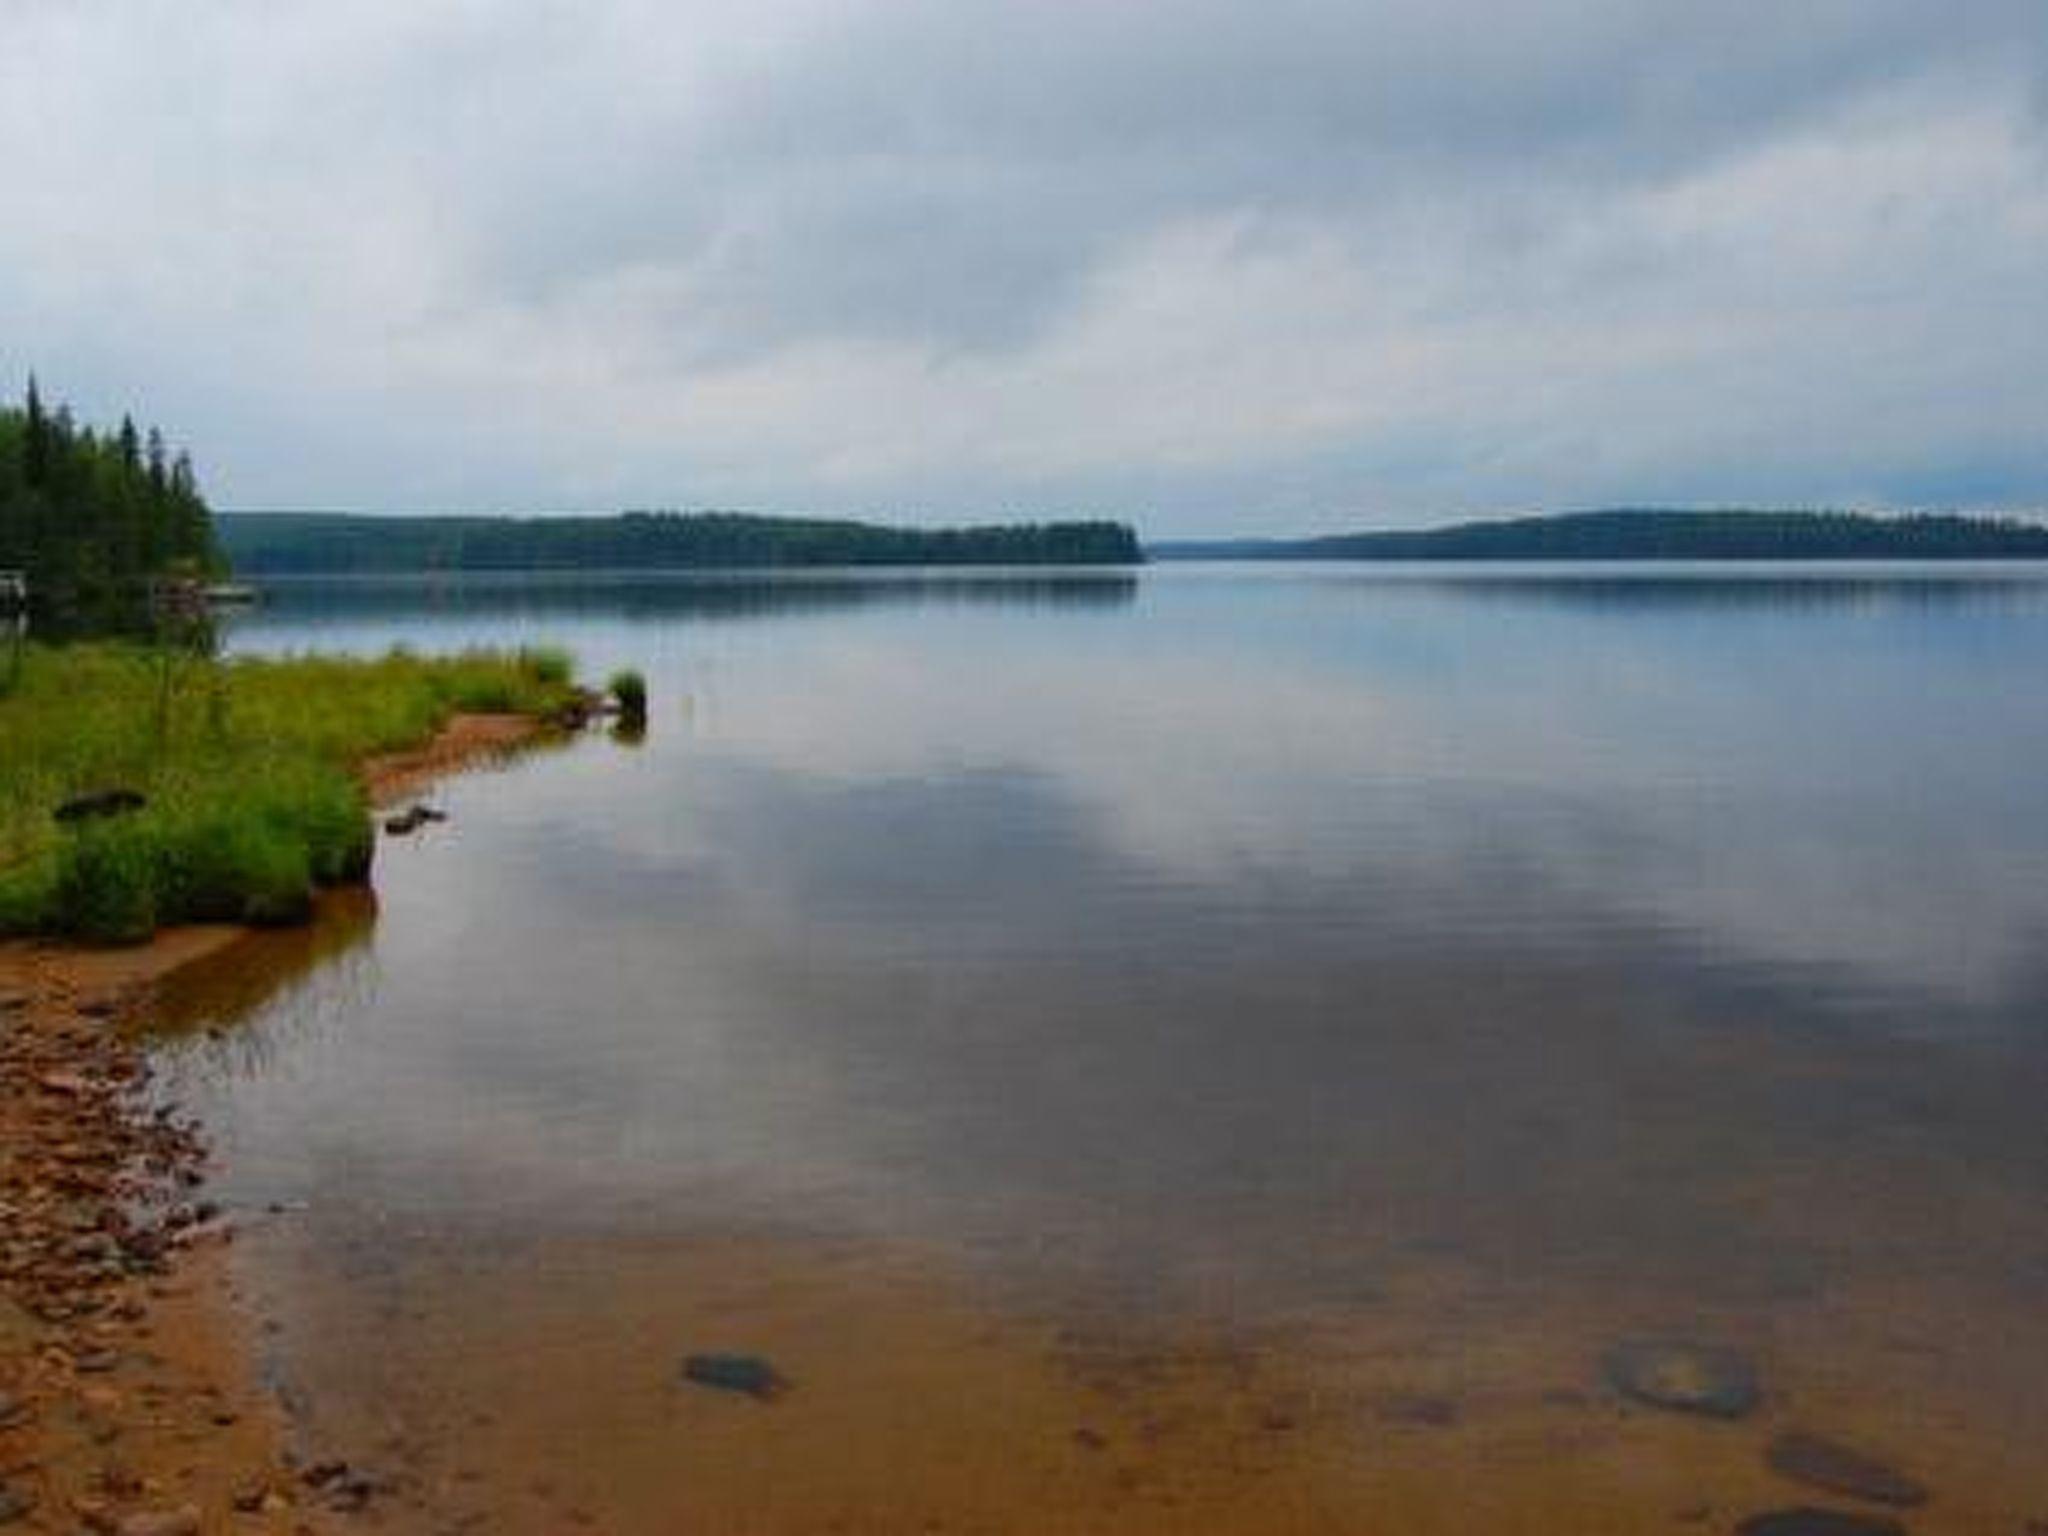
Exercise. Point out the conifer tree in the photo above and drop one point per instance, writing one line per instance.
(91, 516)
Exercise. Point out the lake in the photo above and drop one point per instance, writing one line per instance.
(1214, 1049)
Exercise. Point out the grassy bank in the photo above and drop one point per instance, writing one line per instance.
(245, 768)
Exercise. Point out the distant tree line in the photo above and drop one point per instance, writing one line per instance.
(86, 513)
(1653, 534)
(280, 543)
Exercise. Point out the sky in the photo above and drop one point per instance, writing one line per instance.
(1213, 268)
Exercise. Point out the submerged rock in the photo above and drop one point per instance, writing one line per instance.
(1709, 1379)
(1824, 1463)
(748, 1374)
(15, 1504)
(1818, 1522)
(1419, 1410)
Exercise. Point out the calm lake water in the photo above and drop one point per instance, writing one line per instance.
(1215, 1049)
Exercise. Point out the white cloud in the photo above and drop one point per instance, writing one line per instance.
(1328, 265)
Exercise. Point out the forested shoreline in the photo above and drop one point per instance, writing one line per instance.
(1656, 534)
(320, 543)
(87, 512)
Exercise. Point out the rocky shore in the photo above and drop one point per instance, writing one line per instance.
(126, 1404)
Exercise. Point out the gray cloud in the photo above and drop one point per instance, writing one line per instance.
(1297, 265)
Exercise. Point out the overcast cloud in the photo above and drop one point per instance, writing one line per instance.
(1285, 266)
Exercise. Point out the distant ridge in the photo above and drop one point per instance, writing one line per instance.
(341, 543)
(1655, 534)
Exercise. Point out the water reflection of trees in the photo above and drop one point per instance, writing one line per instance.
(631, 595)
(1875, 590)
(300, 980)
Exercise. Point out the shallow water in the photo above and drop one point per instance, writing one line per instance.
(1221, 1049)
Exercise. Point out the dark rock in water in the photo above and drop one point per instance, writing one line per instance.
(106, 802)
(1419, 1410)
(749, 1374)
(1818, 1522)
(1826, 1464)
(411, 819)
(1708, 1379)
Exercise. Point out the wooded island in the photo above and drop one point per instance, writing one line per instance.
(327, 543)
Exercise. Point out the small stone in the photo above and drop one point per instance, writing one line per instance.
(1824, 1463)
(1818, 1522)
(15, 1503)
(748, 1374)
(160, 1522)
(119, 1481)
(1708, 1379)
(98, 1362)
(352, 1492)
(12, 1410)
(1420, 1410)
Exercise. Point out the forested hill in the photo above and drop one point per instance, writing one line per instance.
(283, 543)
(86, 512)
(1629, 534)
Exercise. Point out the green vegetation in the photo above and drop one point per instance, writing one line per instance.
(1630, 534)
(285, 543)
(245, 766)
(91, 514)
(630, 689)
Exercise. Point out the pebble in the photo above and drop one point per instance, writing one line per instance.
(1824, 1463)
(1709, 1379)
(1818, 1522)
(14, 1504)
(1419, 1410)
(749, 1374)
(160, 1522)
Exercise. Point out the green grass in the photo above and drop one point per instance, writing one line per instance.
(247, 766)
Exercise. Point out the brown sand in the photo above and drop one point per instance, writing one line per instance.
(538, 1390)
(466, 742)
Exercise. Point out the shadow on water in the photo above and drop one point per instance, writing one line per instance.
(283, 978)
(662, 596)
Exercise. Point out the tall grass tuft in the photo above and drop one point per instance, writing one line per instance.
(630, 689)
(248, 769)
